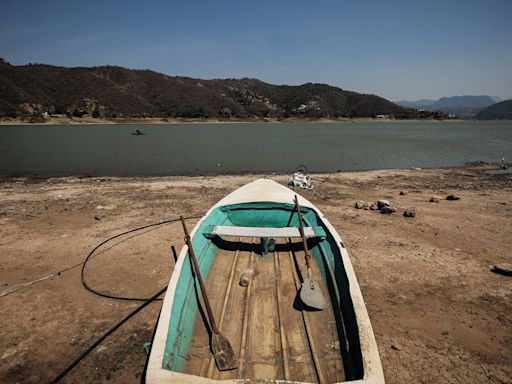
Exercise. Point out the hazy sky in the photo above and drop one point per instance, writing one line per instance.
(396, 49)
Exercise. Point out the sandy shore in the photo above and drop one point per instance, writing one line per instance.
(171, 121)
(438, 313)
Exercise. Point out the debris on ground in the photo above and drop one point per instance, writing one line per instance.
(410, 212)
(435, 199)
(502, 269)
(362, 205)
(381, 205)
(453, 196)
(387, 209)
(301, 179)
(403, 192)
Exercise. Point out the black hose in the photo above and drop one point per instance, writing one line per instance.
(89, 256)
(105, 335)
(146, 301)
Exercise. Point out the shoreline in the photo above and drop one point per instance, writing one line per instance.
(175, 121)
(481, 166)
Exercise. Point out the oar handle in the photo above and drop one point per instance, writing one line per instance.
(301, 230)
(199, 277)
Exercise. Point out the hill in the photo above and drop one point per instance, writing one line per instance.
(501, 110)
(419, 104)
(111, 91)
(462, 106)
(462, 102)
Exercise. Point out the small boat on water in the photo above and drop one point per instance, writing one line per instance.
(250, 252)
(138, 133)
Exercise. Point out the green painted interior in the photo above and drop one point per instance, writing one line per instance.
(261, 214)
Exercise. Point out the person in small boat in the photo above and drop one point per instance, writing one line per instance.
(137, 132)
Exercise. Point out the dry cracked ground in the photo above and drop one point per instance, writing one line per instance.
(439, 314)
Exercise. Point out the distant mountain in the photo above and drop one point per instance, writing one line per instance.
(497, 99)
(501, 110)
(420, 104)
(463, 106)
(460, 102)
(111, 91)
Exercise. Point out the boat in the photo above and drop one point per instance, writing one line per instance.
(253, 286)
(138, 133)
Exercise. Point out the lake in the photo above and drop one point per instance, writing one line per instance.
(111, 150)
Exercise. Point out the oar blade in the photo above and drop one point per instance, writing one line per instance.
(311, 295)
(223, 353)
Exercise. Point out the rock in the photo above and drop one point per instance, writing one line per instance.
(396, 347)
(100, 349)
(97, 218)
(387, 209)
(382, 203)
(452, 197)
(374, 207)
(410, 212)
(435, 199)
(362, 205)
(107, 207)
(403, 193)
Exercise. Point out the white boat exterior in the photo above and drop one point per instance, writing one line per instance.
(264, 190)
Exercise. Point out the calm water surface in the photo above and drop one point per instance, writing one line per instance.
(44, 151)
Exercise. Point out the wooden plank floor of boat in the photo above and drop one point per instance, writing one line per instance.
(272, 339)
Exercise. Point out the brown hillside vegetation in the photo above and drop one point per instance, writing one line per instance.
(112, 91)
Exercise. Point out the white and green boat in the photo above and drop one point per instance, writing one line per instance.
(251, 255)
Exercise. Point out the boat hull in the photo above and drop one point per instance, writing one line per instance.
(263, 203)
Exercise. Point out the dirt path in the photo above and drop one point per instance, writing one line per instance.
(439, 315)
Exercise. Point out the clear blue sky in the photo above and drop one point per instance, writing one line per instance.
(397, 49)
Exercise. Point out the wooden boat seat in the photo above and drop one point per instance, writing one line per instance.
(265, 232)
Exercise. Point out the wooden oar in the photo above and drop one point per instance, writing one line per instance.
(221, 348)
(310, 293)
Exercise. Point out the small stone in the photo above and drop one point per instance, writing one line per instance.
(403, 193)
(396, 347)
(410, 212)
(374, 207)
(100, 349)
(452, 197)
(445, 333)
(387, 209)
(359, 204)
(97, 218)
(382, 203)
(435, 199)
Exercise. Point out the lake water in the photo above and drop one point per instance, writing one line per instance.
(110, 150)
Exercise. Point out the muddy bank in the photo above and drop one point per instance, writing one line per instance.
(438, 313)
